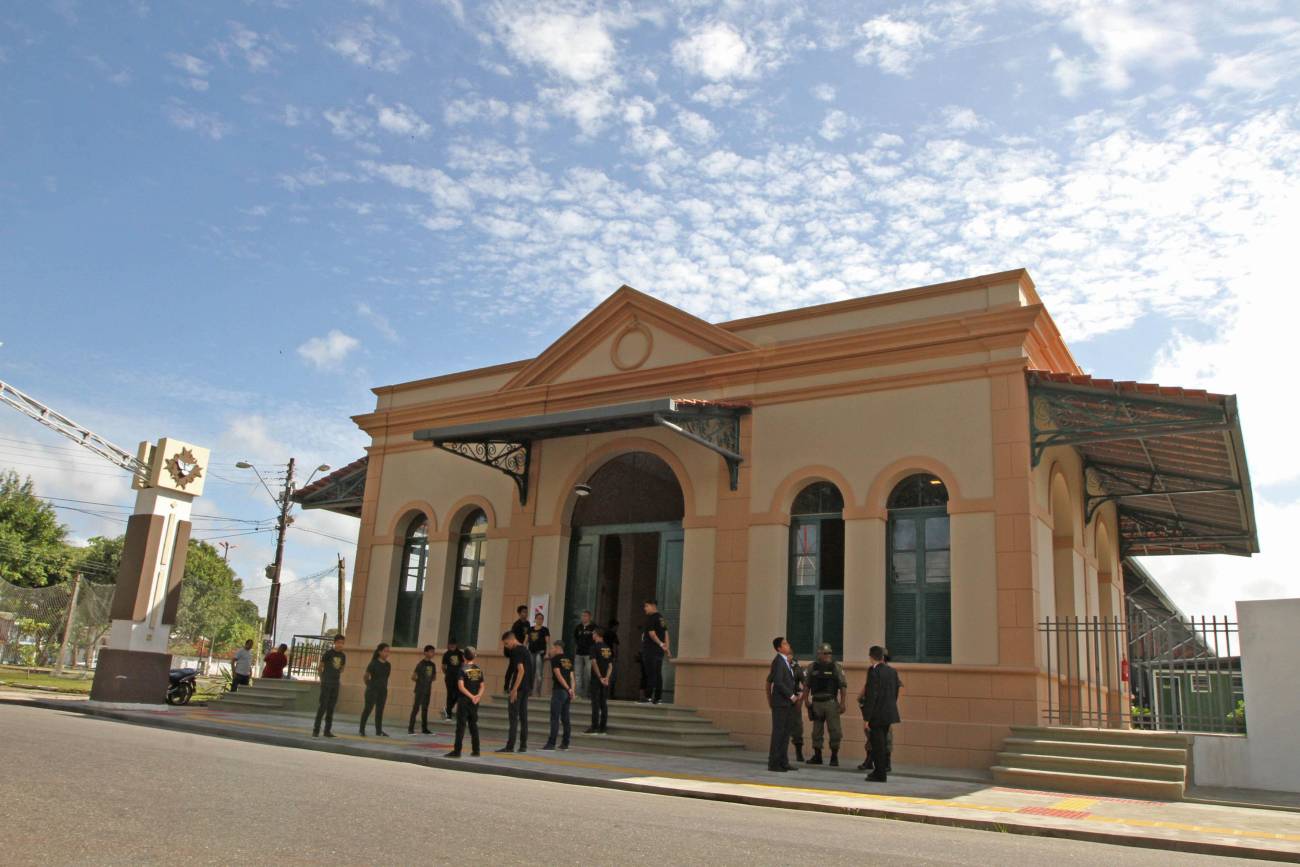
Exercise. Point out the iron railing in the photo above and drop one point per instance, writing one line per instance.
(305, 653)
(1147, 671)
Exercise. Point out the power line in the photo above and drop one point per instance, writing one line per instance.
(326, 535)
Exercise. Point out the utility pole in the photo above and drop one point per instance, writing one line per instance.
(225, 550)
(282, 526)
(343, 568)
(67, 624)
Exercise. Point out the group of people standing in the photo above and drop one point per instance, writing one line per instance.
(531, 661)
(820, 689)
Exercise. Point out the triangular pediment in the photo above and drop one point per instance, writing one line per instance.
(628, 331)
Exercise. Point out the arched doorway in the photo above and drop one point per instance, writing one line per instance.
(626, 548)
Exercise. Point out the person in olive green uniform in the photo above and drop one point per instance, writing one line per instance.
(562, 688)
(451, 661)
(470, 688)
(377, 690)
(330, 671)
(425, 671)
(826, 688)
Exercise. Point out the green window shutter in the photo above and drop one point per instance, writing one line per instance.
(938, 626)
(901, 625)
(833, 621)
(801, 623)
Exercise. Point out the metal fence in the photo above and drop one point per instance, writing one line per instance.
(305, 652)
(1145, 671)
(34, 620)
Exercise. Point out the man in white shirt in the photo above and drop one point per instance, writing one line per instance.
(242, 667)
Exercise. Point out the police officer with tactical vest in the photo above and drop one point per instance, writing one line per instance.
(826, 687)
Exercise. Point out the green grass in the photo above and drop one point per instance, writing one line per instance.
(71, 682)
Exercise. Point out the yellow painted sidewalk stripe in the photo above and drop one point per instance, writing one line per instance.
(1065, 804)
(1075, 804)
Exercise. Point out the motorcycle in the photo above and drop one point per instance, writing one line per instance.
(182, 686)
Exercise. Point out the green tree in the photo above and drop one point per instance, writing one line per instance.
(211, 606)
(33, 552)
(100, 559)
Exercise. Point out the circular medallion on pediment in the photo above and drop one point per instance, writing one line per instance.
(631, 346)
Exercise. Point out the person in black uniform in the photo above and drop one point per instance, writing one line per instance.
(654, 648)
(611, 638)
(796, 718)
(520, 626)
(582, 636)
(602, 669)
(451, 661)
(470, 687)
(426, 671)
(516, 692)
(562, 687)
(538, 637)
(377, 689)
(880, 711)
(330, 671)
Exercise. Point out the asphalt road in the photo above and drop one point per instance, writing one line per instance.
(84, 790)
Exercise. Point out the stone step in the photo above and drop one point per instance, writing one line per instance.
(1127, 737)
(624, 709)
(1088, 784)
(276, 685)
(1109, 752)
(1093, 766)
(648, 728)
(243, 700)
(615, 740)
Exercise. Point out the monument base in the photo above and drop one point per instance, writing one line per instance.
(131, 677)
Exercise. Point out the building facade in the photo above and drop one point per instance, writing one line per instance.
(916, 469)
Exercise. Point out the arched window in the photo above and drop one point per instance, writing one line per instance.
(815, 611)
(468, 592)
(918, 618)
(410, 593)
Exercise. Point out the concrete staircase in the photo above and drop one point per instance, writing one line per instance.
(265, 695)
(634, 727)
(1114, 762)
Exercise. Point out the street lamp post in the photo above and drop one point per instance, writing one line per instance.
(285, 502)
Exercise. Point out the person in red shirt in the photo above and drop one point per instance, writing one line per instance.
(275, 662)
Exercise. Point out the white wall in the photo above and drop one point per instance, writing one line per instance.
(1268, 757)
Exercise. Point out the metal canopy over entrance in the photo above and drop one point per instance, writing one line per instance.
(341, 491)
(506, 445)
(1171, 459)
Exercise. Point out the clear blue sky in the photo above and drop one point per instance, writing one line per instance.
(226, 222)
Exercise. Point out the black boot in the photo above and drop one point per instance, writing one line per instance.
(798, 752)
(835, 758)
(816, 757)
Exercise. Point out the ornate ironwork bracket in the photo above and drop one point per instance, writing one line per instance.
(1060, 416)
(512, 458)
(1153, 529)
(1104, 482)
(717, 432)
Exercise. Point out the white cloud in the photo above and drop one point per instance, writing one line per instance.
(460, 111)
(294, 115)
(696, 126)
(835, 124)
(1253, 71)
(365, 45)
(328, 352)
(189, 64)
(578, 48)
(256, 49)
(716, 52)
(399, 119)
(960, 119)
(184, 117)
(721, 95)
(824, 92)
(346, 123)
(893, 44)
(378, 321)
(1122, 38)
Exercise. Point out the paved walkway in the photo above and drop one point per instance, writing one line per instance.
(1178, 826)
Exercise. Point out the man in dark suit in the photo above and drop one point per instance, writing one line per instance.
(784, 700)
(881, 710)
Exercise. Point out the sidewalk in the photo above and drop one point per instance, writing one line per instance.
(1177, 826)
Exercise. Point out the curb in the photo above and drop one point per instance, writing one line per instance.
(1191, 847)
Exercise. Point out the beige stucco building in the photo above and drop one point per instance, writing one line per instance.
(866, 471)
